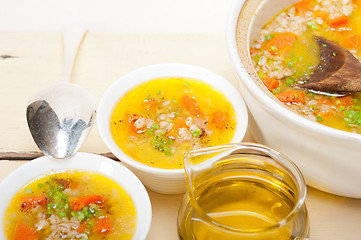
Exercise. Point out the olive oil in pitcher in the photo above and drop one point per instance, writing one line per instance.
(240, 198)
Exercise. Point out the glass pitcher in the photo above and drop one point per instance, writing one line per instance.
(242, 191)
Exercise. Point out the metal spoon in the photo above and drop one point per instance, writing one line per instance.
(61, 115)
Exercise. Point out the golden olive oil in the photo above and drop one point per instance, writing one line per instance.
(240, 202)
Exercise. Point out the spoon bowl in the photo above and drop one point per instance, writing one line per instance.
(61, 115)
(60, 118)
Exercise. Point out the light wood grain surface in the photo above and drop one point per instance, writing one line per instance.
(30, 61)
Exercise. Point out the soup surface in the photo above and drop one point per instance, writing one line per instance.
(71, 205)
(286, 54)
(159, 120)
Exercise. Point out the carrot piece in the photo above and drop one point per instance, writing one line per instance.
(341, 23)
(103, 225)
(220, 119)
(325, 101)
(81, 228)
(28, 202)
(191, 105)
(344, 101)
(178, 123)
(303, 6)
(352, 41)
(78, 203)
(291, 97)
(131, 120)
(24, 232)
(149, 104)
(320, 14)
(280, 43)
(252, 51)
(270, 83)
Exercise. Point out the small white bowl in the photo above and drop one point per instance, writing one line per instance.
(81, 161)
(166, 181)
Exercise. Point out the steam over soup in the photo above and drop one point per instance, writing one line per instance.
(71, 205)
(286, 54)
(159, 120)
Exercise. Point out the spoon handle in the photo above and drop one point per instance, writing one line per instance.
(72, 37)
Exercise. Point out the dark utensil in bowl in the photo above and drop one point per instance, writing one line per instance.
(338, 70)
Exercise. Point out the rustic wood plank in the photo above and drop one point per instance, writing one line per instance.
(21, 156)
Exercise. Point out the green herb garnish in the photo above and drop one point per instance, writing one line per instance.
(161, 143)
(196, 133)
(28, 191)
(274, 48)
(312, 25)
(269, 37)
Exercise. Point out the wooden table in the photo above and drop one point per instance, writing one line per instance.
(29, 61)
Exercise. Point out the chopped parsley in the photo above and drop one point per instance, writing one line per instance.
(269, 37)
(352, 116)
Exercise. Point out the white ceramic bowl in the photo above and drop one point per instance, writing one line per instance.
(330, 159)
(166, 181)
(81, 161)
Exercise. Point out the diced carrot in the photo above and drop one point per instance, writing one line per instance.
(341, 23)
(352, 41)
(178, 123)
(220, 119)
(270, 83)
(81, 228)
(24, 232)
(291, 97)
(252, 51)
(344, 101)
(149, 104)
(303, 6)
(280, 43)
(103, 225)
(131, 119)
(28, 202)
(320, 14)
(191, 105)
(325, 101)
(78, 203)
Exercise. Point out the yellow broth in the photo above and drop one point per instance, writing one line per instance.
(75, 206)
(159, 120)
(285, 55)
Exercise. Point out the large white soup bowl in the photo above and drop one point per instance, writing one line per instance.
(330, 159)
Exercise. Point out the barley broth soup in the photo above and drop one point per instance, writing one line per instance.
(71, 205)
(286, 54)
(156, 122)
